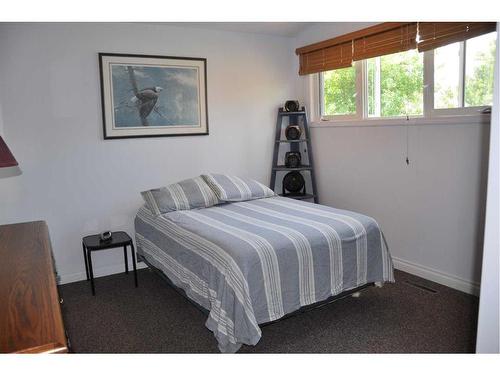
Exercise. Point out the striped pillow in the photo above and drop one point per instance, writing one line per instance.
(183, 195)
(236, 189)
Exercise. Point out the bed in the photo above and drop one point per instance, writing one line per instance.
(252, 262)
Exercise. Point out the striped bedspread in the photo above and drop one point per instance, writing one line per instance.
(252, 262)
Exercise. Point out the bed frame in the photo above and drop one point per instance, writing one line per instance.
(352, 292)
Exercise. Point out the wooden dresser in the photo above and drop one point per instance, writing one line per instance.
(30, 313)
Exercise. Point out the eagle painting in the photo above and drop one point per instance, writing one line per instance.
(146, 99)
(154, 96)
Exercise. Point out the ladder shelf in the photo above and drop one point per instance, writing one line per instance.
(301, 145)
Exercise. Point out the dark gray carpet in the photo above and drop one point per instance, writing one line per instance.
(153, 318)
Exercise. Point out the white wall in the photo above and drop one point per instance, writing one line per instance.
(488, 333)
(431, 210)
(81, 184)
(1, 115)
(1, 119)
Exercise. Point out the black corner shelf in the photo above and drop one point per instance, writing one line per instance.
(301, 168)
(291, 140)
(295, 145)
(299, 196)
(298, 113)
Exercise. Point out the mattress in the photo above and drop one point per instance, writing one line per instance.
(253, 262)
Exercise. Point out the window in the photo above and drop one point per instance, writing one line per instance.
(463, 73)
(447, 76)
(479, 70)
(454, 79)
(339, 92)
(395, 84)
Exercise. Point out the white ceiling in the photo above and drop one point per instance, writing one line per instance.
(287, 29)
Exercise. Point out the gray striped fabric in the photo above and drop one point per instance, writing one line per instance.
(183, 195)
(236, 189)
(252, 262)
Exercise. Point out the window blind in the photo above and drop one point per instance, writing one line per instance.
(437, 34)
(341, 51)
(384, 39)
(334, 57)
(398, 39)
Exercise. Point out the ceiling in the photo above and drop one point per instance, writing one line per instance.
(286, 29)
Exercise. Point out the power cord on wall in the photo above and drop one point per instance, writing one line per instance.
(407, 142)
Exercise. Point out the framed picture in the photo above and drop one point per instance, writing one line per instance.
(153, 96)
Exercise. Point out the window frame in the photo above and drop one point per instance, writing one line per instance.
(456, 111)
(429, 112)
(359, 101)
(366, 115)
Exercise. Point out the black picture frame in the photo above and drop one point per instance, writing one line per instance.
(133, 62)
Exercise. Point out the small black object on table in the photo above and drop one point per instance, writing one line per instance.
(94, 243)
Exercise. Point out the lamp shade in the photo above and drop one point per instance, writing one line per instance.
(6, 157)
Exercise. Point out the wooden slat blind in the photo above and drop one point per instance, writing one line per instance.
(334, 57)
(384, 39)
(399, 39)
(437, 34)
(338, 52)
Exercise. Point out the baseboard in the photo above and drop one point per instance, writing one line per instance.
(440, 277)
(98, 272)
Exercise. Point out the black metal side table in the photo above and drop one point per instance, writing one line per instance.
(94, 243)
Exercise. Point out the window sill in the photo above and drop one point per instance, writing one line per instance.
(476, 119)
